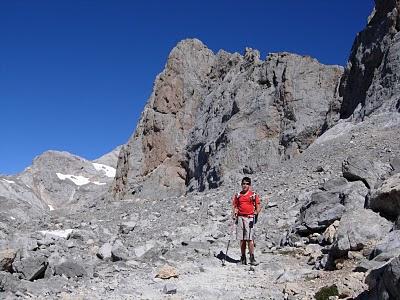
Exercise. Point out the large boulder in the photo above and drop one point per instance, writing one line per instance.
(370, 172)
(31, 268)
(70, 269)
(9, 283)
(321, 211)
(386, 199)
(358, 229)
(7, 257)
(383, 282)
(353, 194)
(388, 247)
(323, 207)
(119, 251)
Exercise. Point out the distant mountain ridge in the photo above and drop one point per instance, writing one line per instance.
(54, 180)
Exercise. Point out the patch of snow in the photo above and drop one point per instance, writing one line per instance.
(57, 233)
(12, 218)
(50, 207)
(98, 183)
(8, 181)
(109, 171)
(78, 180)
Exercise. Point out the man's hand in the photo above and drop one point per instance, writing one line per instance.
(235, 214)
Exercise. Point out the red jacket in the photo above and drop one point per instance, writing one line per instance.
(244, 203)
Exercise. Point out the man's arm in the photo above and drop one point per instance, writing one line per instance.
(234, 207)
(258, 205)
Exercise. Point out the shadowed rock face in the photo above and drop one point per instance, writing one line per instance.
(371, 78)
(210, 114)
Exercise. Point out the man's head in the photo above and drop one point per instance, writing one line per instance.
(246, 183)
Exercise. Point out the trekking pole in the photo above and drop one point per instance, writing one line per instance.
(255, 215)
(229, 241)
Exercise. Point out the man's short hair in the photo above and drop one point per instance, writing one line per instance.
(246, 179)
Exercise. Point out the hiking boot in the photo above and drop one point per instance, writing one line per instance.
(243, 260)
(253, 261)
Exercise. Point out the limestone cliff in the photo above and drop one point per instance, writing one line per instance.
(213, 114)
(371, 79)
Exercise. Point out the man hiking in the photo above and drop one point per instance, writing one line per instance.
(246, 207)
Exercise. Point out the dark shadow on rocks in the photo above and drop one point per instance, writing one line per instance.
(225, 258)
(363, 296)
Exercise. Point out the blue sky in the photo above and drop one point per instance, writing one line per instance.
(75, 75)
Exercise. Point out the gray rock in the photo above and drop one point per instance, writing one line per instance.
(384, 282)
(389, 245)
(143, 249)
(330, 235)
(119, 251)
(105, 251)
(386, 199)
(7, 257)
(366, 265)
(31, 268)
(334, 184)
(82, 235)
(395, 164)
(24, 245)
(351, 285)
(354, 195)
(358, 229)
(322, 210)
(70, 269)
(127, 227)
(42, 243)
(8, 282)
(357, 168)
(169, 288)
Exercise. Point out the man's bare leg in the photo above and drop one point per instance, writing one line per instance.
(251, 250)
(243, 251)
(251, 247)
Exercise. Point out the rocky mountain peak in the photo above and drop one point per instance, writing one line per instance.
(206, 110)
(252, 55)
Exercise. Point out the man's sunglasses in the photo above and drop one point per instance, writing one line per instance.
(245, 183)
